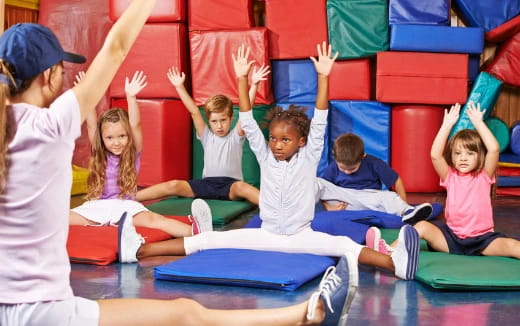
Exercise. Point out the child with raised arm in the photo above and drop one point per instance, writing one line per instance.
(117, 142)
(38, 130)
(355, 179)
(222, 173)
(466, 166)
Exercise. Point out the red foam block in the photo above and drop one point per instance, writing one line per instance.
(413, 129)
(506, 63)
(164, 11)
(212, 65)
(166, 126)
(419, 77)
(295, 27)
(350, 80)
(503, 32)
(220, 14)
(157, 48)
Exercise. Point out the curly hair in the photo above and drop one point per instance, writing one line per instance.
(470, 140)
(127, 176)
(294, 115)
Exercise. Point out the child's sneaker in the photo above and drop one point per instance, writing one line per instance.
(128, 240)
(406, 253)
(200, 217)
(337, 290)
(418, 213)
(374, 241)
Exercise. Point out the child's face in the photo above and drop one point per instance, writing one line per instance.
(465, 160)
(348, 169)
(220, 123)
(115, 137)
(284, 140)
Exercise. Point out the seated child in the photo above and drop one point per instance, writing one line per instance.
(466, 166)
(222, 173)
(355, 179)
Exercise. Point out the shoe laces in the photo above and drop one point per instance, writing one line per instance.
(328, 284)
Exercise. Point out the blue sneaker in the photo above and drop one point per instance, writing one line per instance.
(406, 253)
(128, 240)
(417, 213)
(337, 290)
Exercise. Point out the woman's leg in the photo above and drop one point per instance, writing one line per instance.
(179, 188)
(156, 221)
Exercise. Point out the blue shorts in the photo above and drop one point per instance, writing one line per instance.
(212, 187)
(470, 246)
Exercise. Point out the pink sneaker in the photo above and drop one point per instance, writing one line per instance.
(374, 241)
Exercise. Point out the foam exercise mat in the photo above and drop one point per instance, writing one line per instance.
(223, 211)
(244, 267)
(465, 273)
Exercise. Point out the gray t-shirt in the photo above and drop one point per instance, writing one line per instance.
(222, 155)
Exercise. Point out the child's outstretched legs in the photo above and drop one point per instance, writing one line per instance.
(507, 247)
(242, 190)
(179, 188)
(153, 220)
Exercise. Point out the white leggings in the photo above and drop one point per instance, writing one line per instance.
(306, 241)
(377, 200)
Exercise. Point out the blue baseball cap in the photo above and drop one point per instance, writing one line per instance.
(31, 49)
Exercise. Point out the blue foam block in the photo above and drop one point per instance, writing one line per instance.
(487, 14)
(515, 138)
(444, 39)
(508, 181)
(294, 81)
(243, 267)
(426, 12)
(367, 119)
(509, 158)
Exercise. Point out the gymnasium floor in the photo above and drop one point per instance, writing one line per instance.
(381, 299)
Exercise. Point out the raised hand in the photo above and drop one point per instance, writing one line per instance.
(241, 63)
(134, 86)
(325, 61)
(451, 116)
(176, 78)
(261, 74)
(475, 114)
(79, 77)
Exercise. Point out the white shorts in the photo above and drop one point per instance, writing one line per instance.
(108, 211)
(75, 311)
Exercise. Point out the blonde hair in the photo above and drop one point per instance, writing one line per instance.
(470, 140)
(218, 104)
(127, 176)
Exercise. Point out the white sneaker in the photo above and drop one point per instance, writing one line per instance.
(406, 253)
(417, 213)
(337, 290)
(129, 241)
(201, 218)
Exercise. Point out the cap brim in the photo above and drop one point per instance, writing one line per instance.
(74, 58)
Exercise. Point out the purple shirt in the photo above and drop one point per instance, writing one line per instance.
(111, 189)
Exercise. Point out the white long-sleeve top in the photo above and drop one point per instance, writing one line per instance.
(287, 188)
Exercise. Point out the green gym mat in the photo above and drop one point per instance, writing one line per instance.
(223, 211)
(464, 273)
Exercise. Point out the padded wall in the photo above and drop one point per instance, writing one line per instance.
(164, 11)
(157, 48)
(413, 129)
(294, 80)
(420, 77)
(220, 14)
(67, 19)
(506, 63)
(166, 126)
(357, 28)
(350, 80)
(425, 12)
(212, 66)
(295, 27)
(368, 120)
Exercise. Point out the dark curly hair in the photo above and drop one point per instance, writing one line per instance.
(294, 115)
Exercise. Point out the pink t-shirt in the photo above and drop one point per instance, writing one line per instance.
(34, 209)
(468, 203)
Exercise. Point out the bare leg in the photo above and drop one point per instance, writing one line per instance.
(374, 258)
(433, 235)
(507, 247)
(242, 190)
(76, 219)
(188, 312)
(172, 247)
(156, 221)
(169, 188)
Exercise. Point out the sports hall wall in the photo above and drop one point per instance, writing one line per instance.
(401, 63)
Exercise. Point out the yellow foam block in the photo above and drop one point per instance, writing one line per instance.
(79, 180)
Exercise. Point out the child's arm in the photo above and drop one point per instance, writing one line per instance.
(399, 188)
(132, 88)
(256, 77)
(323, 67)
(114, 50)
(177, 79)
(475, 115)
(91, 115)
(439, 163)
(242, 66)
